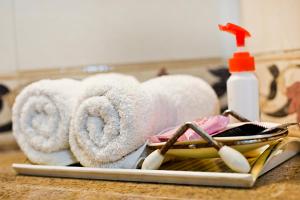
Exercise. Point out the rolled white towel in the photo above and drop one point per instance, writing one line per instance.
(110, 123)
(101, 112)
(41, 118)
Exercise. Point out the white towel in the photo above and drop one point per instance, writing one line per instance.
(41, 118)
(110, 123)
(42, 113)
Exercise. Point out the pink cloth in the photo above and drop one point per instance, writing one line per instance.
(211, 125)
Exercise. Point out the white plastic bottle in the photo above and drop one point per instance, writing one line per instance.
(242, 85)
(242, 94)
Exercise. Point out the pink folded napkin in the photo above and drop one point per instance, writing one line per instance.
(211, 125)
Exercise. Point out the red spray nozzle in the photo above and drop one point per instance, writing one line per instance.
(239, 32)
(241, 61)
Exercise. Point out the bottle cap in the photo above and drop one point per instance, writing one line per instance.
(241, 61)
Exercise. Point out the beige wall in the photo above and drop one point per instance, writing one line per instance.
(7, 37)
(274, 24)
(59, 33)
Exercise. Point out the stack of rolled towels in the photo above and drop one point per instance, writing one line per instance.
(104, 120)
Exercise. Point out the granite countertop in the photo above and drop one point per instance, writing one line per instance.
(282, 182)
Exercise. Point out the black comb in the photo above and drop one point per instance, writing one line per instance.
(242, 130)
(279, 128)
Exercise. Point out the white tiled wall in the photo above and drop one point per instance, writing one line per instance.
(60, 33)
(7, 38)
(80, 32)
(75, 32)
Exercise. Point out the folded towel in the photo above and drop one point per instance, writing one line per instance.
(110, 123)
(41, 118)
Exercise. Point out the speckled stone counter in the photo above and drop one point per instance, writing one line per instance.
(282, 182)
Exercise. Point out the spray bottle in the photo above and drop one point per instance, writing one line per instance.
(242, 85)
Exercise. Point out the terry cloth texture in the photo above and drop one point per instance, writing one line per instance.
(114, 118)
(41, 119)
